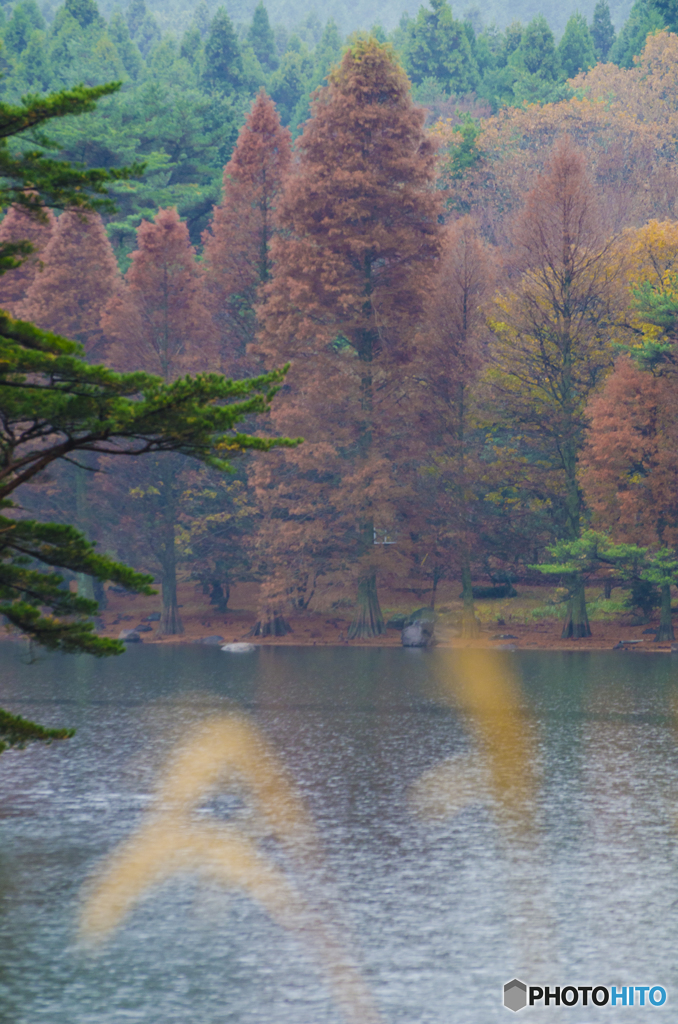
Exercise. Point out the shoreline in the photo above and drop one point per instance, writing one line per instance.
(512, 624)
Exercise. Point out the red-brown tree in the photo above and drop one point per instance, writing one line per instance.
(359, 238)
(237, 243)
(78, 277)
(158, 321)
(18, 226)
(630, 465)
(451, 355)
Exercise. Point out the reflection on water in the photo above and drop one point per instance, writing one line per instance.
(314, 833)
(500, 773)
(225, 753)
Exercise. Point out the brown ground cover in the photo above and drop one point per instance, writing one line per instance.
(529, 621)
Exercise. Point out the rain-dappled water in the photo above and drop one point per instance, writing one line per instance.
(301, 836)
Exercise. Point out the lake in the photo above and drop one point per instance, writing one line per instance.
(311, 835)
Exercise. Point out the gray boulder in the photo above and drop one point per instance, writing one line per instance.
(129, 636)
(214, 639)
(418, 634)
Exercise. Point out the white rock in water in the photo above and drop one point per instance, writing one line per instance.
(240, 648)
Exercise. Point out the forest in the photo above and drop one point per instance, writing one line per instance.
(437, 268)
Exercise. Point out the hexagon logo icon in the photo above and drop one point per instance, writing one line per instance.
(515, 995)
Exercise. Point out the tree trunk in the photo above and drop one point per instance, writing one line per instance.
(368, 620)
(170, 620)
(99, 593)
(273, 623)
(665, 622)
(217, 596)
(85, 582)
(469, 623)
(434, 589)
(608, 589)
(577, 622)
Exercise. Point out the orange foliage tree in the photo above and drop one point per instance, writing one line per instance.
(79, 275)
(157, 321)
(359, 238)
(445, 512)
(19, 226)
(630, 465)
(237, 244)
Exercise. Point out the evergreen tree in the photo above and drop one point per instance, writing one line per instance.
(128, 51)
(438, 47)
(191, 45)
(668, 11)
(34, 66)
(289, 84)
(135, 14)
(359, 237)
(576, 50)
(85, 12)
(79, 276)
(537, 50)
(143, 27)
(237, 245)
(19, 226)
(262, 39)
(602, 30)
(643, 19)
(26, 19)
(223, 68)
(326, 54)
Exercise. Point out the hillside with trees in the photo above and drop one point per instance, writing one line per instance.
(461, 240)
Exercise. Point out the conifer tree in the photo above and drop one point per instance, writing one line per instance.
(438, 47)
(630, 469)
(19, 226)
(576, 50)
(158, 322)
(79, 276)
(237, 245)
(602, 30)
(261, 38)
(85, 12)
(26, 19)
(359, 236)
(451, 356)
(223, 69)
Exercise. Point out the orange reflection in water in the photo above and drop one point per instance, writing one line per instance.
(227, 753)
(501, 773)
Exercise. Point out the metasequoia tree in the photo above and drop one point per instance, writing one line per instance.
(451, 356)
(630, 471)
(158, 322)
(79, 274)
(237, 244)
(552, 339)
(630, 465)
(359, 237)
(18, 227)
(70, 287)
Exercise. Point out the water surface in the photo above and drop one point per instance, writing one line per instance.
(476, 821)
